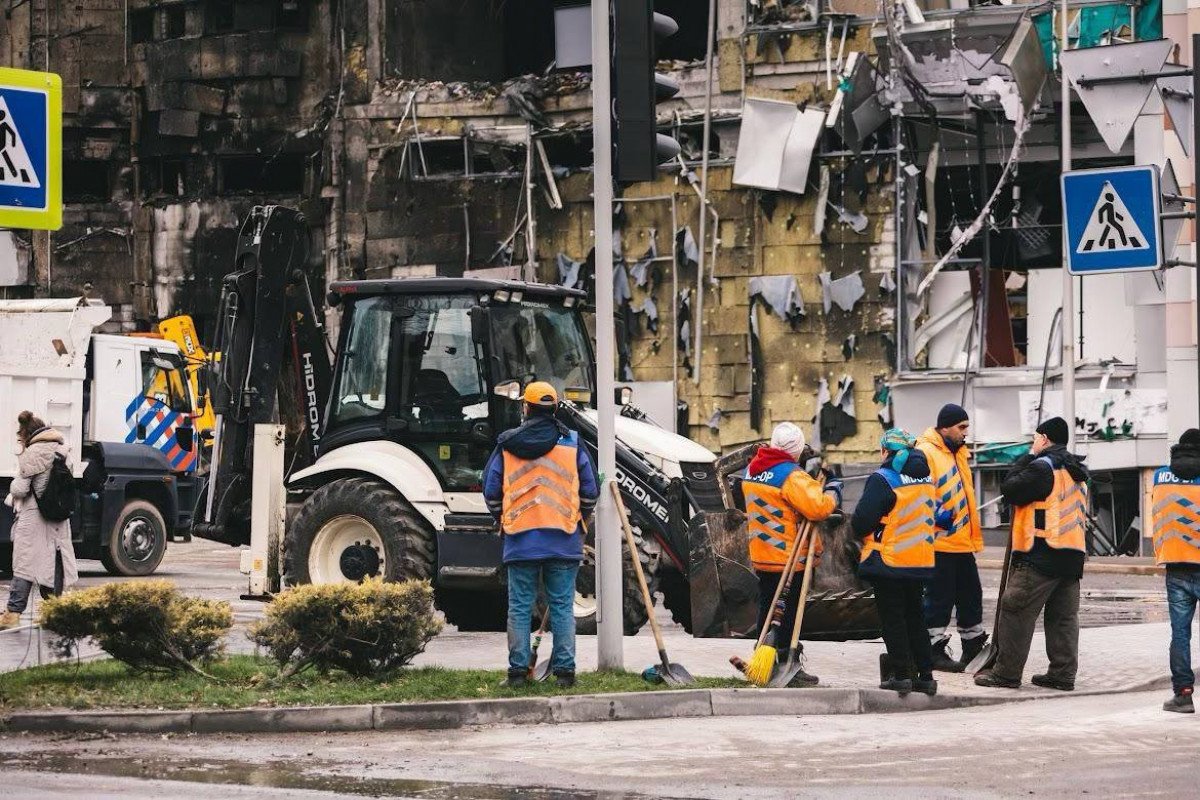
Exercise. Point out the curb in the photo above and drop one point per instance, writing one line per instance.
(1089, 566)
(671, 704)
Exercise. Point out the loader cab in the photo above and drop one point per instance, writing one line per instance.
(437, 365)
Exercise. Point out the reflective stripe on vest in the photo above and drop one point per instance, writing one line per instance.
(906, 534)
(1176, 519)
(1064, 517)
(951, 495)
(542, 492)
(771, 523)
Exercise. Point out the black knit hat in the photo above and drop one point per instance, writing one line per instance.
(951, 415)
(1190, 436)
(1055, 429)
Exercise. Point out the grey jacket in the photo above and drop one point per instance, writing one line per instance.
(35, 539)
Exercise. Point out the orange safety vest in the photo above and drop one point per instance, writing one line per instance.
(1176, 518)
(771, 521)
(542, 492)
(1059, 519)
(906, 535)
(954, 492)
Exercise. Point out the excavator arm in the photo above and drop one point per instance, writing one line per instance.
(267, 319)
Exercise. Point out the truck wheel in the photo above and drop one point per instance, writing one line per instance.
(137, 541)
(474, 611)
(357, 528)
(585, 585)
(677, 597)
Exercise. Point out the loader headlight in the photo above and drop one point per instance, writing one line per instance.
(502, 295)
(568, 302)
(578, 395)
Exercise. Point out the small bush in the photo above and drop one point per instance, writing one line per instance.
(147, 625)
(367, 629)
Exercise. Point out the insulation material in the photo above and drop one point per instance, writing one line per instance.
(683, 326)
(849, 346)
(776, 145)
(685, 245)
(568, 270)
(883, 399)
(835, 420)
(822, 201)
(650, 309)
(714, 421)
(845, 292)
(640, 271)
(781, 293)
(626, 327)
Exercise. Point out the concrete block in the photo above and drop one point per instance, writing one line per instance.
(784, 702)
(632, 705)
(114, 721)
(457, 713)
(172, 122)
(285, 720)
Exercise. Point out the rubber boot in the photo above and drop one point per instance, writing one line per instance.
(972, 648)
(942, 662)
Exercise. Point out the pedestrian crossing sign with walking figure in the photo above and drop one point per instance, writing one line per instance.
(1113, 219)
(30, 150)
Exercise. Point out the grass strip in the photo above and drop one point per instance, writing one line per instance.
(246, 682)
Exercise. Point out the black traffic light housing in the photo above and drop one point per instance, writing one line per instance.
(638, 89)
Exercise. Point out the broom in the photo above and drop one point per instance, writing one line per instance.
(762, 663)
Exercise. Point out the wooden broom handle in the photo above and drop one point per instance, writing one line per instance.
(805, 583)
(637, 565)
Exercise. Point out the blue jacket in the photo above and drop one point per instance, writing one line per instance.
(537, 436)
(877, 501)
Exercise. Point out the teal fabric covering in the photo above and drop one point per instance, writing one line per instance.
(1095, 22)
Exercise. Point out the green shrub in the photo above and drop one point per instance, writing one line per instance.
(147, 625)
(367, 629)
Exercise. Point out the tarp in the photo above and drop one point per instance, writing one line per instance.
(1093, 23)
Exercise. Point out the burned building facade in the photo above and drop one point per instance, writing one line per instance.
(881, 217)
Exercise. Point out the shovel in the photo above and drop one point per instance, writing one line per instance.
(785, 672)
(539, 672)
(987, 656)
(671, 674)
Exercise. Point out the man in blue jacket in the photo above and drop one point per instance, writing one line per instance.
(540, 486)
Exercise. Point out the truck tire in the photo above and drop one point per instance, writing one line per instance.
(634, 609)
(137, 542)
(354, 528)
(473, 611)
(677, 597)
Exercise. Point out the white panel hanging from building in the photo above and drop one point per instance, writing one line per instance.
(776, 145)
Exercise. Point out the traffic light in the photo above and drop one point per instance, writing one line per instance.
(638, 89)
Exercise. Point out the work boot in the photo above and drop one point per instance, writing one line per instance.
(1051, 682)
(517, 679)
(802, 680)
(991, 680)
(901, 686)
(925, 686)
(9, 619)
(1181, 703)
(886, 672)
(942, 662)
(971, 648)
(564, 679)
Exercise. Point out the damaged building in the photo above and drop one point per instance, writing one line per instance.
(872, 227)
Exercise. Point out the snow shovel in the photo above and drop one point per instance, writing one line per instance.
(539, 671)
(987, 656)
(785, 672)
(671, 674)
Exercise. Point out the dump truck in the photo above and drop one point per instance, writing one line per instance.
(391, 440)
(124, 405)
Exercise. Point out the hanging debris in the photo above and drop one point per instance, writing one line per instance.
(781, 294)
(845, 292)
(849, 346)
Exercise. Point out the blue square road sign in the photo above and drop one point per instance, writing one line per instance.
(1113, 218)
(30, 150)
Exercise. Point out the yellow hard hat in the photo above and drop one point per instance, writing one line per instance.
(540, 393)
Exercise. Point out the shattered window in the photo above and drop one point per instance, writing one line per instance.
(141, 26)
(280, 174)
(86, 181)
(174, 21)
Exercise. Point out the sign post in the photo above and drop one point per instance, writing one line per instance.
(30, 150)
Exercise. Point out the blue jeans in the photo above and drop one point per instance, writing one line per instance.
(558, 576)
(1183, 592)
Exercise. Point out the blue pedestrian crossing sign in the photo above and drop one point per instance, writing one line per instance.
(30, 150)
(1113, 218)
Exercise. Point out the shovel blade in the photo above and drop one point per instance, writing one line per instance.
(675, 675)
(985, 659)
(542, 671)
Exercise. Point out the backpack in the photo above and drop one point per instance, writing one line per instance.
(57, 500)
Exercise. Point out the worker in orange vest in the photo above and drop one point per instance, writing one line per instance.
(1175, 504)
(1047, 491)
(540, 485)
(955, 587)
(779, 495)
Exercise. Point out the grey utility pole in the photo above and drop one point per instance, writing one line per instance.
(609, 620)
(1195, 156)
(1068, 287)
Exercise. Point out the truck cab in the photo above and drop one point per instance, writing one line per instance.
(124, 405)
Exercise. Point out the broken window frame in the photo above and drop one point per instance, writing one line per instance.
(226, 167)
(79, 176)
(446, 148)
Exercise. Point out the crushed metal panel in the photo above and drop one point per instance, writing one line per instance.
(776, 145)
(1176, 94)
(1114, 107)
(1026, 59)
(1171, 227)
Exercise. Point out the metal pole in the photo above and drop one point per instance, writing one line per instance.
(708, 92)
(1195, 150)
(609, 622)
(1068, 301)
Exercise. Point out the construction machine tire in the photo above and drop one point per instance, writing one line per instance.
(354, 528)
(634, 609)
(677, 597)
(473, 611)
